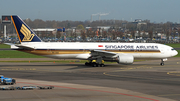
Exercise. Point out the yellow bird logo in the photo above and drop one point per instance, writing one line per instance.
(27, 33)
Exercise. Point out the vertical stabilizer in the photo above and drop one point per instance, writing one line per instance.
(24, 32)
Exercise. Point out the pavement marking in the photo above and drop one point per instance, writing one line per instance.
(126, 69)
(132, 68)
(38, 96)
(174, 73)
(140, 67)
(43, 70)
(19, 69)
(139, 77)
(31, 69)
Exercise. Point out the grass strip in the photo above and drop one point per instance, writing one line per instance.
(4, 46)
(17, 54)
(174, 45)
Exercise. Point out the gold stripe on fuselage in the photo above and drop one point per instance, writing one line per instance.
(54, 52)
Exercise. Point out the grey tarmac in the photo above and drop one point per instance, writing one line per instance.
(142, 81)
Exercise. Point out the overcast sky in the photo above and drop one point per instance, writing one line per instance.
(81, 10)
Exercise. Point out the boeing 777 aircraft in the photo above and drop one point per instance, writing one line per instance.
(96, 53)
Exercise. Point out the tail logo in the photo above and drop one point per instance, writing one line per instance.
(27, 33)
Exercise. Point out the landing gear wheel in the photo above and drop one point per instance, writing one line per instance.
(94, 64)
(97, 65)
(162, 64)
(101, 65)
(86, 63)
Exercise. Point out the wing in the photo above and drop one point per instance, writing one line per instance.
(103, 54)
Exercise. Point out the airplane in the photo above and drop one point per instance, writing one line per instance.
(96, 53)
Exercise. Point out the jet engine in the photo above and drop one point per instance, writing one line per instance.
(125, 59)
(83, 56)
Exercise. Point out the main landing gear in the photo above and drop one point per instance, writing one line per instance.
(93, 63)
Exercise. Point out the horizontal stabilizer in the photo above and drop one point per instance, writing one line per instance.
(24, 47)
(13, 46)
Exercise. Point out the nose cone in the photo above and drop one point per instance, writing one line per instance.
(174, 53)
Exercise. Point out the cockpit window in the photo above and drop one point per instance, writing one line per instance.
(172, 49)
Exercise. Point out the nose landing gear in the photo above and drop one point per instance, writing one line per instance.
(162, 61)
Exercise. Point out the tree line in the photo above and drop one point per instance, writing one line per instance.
(130, 27)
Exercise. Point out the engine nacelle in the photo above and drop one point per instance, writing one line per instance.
(83, 56)
(125, 59)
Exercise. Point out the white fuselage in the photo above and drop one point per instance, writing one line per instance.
(79, 50)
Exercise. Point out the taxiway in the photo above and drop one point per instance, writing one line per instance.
(142, 81)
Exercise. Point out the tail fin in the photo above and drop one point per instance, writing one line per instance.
(24, 32)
